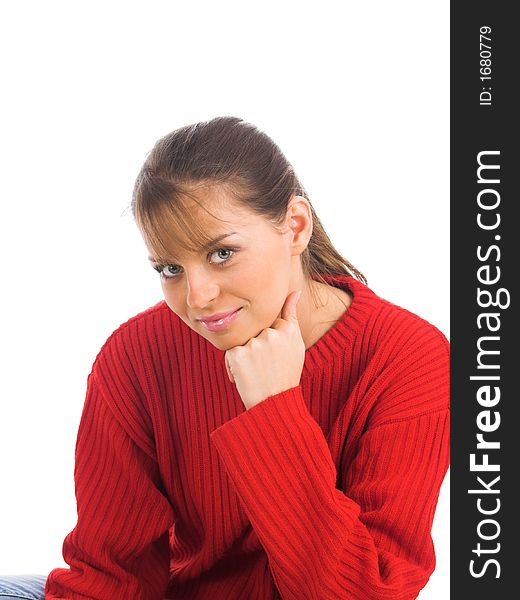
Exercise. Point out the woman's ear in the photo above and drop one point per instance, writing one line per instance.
(300, 223)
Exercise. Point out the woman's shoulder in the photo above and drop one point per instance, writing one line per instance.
(394, 323)
(409, 363)
(411, 329)
(139, 339)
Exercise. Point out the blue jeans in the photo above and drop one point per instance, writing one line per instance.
(25, 587)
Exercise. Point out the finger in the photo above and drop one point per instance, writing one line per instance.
(229, 373)
(289, 307)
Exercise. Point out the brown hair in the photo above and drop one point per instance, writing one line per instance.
(230, 154)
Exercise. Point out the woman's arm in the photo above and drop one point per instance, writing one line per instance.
(119, 547)
(371, 540)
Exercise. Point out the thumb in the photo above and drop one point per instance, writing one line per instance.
(228, 370)
(289, 308)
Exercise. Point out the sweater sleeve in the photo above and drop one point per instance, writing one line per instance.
(370, 540)
(119, 547)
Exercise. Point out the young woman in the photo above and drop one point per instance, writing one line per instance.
(272, 428)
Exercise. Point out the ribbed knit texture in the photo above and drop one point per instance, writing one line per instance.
(324, 491)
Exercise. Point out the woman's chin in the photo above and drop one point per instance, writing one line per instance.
(227, 340)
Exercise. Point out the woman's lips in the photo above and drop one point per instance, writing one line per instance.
(221, 324)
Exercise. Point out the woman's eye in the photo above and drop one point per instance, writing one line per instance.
(222, 250)
(160, 269)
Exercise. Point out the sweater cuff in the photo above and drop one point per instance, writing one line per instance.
(265, 425)
(277, 457)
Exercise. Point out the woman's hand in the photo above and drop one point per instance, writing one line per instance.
(271, 362)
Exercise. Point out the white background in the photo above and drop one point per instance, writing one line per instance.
(356, 95)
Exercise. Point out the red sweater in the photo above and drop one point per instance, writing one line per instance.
(324, 491)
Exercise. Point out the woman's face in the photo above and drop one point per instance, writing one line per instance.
(252, 269)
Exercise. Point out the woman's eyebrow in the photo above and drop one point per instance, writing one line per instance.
(208, 245)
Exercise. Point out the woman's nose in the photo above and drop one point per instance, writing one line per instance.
(202, 288)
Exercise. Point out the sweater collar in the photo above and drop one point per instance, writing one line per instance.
(341, 335)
